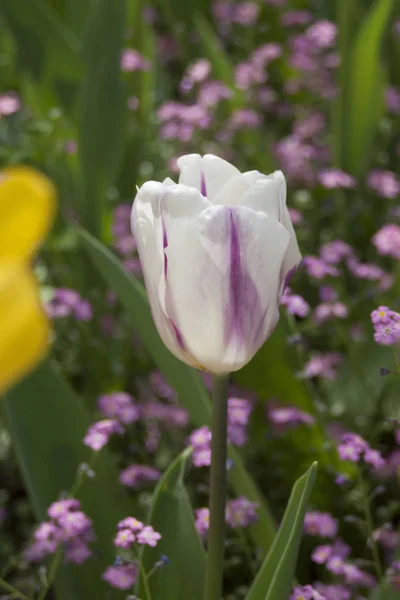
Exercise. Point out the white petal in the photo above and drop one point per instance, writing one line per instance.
(207, 174)
(147, 228)
(233, 191)
(225, 308)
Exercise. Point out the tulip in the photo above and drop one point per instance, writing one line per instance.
(27, 204)
(217, 250)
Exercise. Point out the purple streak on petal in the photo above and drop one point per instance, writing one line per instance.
(165, 244)
(288, 277)
(203, 187)
(178, 335)
(245, 315)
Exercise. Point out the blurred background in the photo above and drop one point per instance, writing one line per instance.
(103, 95)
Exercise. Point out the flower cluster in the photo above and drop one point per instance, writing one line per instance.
(239, 513)
(66, 302)
(68, 526)
(295, 304)
(130, 531)
(386, 324)
(353, 447)
(285, 417)
(135, 476)
(120, 406)
(320, 524)
(98, 434)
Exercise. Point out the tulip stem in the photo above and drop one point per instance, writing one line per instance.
(216, 535)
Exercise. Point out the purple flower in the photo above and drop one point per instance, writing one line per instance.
(335, 178)
(131, 523)
(9, 104)
(333, 592)
(147, 536)
(387, 335)
(323, 365)
(202, 521)
(62, 507)
(374, 458)
(333, 252)
(201, 437)
(321, 554)
(283, 416)
(321, 524)
(335, 565)
(67, 302)
(121, 577)
(119, 405)
(124, 538)
(302, 593)
(330, 310)
(132, 60)
(387, 241)
(295, 304)
(322, 33)
(392, 97)
(77, 551)
(137, 475)
(318, 268)
(99, 433)
(74, 524)
(384, 183)
(241, 512)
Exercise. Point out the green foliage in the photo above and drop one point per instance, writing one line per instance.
(47, 422)
(361, 98)
(102, 111)
(274, 580)
(172, 515)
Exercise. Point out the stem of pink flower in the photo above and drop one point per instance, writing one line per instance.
(216, 536)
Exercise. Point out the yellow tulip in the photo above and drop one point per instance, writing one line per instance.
(27, 204)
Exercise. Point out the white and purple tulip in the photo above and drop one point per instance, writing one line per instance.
(217, 251)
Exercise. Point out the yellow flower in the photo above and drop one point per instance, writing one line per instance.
(27, 203)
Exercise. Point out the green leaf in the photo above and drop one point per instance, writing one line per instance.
(363, 89)
(171, 514)
(47, 422)
(275, 578)
(45, 28)
(103, 110)
(187, 382)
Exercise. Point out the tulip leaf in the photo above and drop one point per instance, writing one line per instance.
(274, 580)
(187, 382)
(47, 422)
(171, 514)
(102, 111)
(363, 90)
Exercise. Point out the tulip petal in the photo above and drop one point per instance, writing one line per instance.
(27, 205)
(222, 283)
(24, 330)
(233, 192)
(208, 174)
(149, 227)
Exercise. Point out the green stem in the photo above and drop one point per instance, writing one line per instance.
(9, 588)
(55, 563)
(370, 527)
(218, 487)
